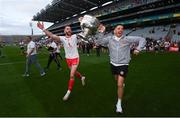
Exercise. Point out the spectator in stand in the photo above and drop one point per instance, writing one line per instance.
(166, 45)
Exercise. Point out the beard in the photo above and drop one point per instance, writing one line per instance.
(118, 34)
(68, 33)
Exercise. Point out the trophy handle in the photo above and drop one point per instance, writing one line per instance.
(84, 35)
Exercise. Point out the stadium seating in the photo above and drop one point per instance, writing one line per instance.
(151, 18)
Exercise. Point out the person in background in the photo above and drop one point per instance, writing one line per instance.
(31, 57)
(52, 55)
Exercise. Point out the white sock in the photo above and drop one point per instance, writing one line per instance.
(68, 91)
(119, 102)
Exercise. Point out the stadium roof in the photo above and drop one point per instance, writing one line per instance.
(60, 10)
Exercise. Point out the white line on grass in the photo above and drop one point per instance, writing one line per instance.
(18, 62)
(11, 63)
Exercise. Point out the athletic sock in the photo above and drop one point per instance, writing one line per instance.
(78, 75)
(71, 84)
(119, 102)
(68, 92)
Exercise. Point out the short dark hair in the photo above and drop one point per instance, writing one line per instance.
(67, 26)
(29, 37)
(119, 25)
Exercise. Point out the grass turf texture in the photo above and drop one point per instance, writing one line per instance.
(152, 87)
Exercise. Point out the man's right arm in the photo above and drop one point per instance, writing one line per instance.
(48, 33)
(101, 38)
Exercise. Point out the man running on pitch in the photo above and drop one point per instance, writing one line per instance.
(119, 48)
(71, 53)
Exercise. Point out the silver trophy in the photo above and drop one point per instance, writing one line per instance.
(89, 25)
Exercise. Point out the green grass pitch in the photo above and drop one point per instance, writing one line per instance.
(152, 87)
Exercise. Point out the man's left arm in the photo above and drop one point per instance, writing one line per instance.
(137, 39)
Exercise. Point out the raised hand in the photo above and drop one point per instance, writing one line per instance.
(101, 28)
(48, 33)
(136, 52)
(40, 25)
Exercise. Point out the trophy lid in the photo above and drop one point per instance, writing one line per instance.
(90, 21)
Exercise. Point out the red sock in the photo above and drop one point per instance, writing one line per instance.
(78, 75)
(71, 84)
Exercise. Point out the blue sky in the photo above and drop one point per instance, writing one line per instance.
(15, 16)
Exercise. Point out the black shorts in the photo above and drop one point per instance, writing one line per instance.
(22, 48)
(119, 70)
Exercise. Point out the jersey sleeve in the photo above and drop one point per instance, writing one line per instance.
(140, 40)
(61, 38)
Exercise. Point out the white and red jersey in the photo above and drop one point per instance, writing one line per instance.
(70, 46)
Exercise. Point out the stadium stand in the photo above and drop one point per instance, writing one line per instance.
(148, 18)
(15, 39)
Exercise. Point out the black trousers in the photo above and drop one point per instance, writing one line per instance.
(58, 54)
(53, 56)
(98, 51)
